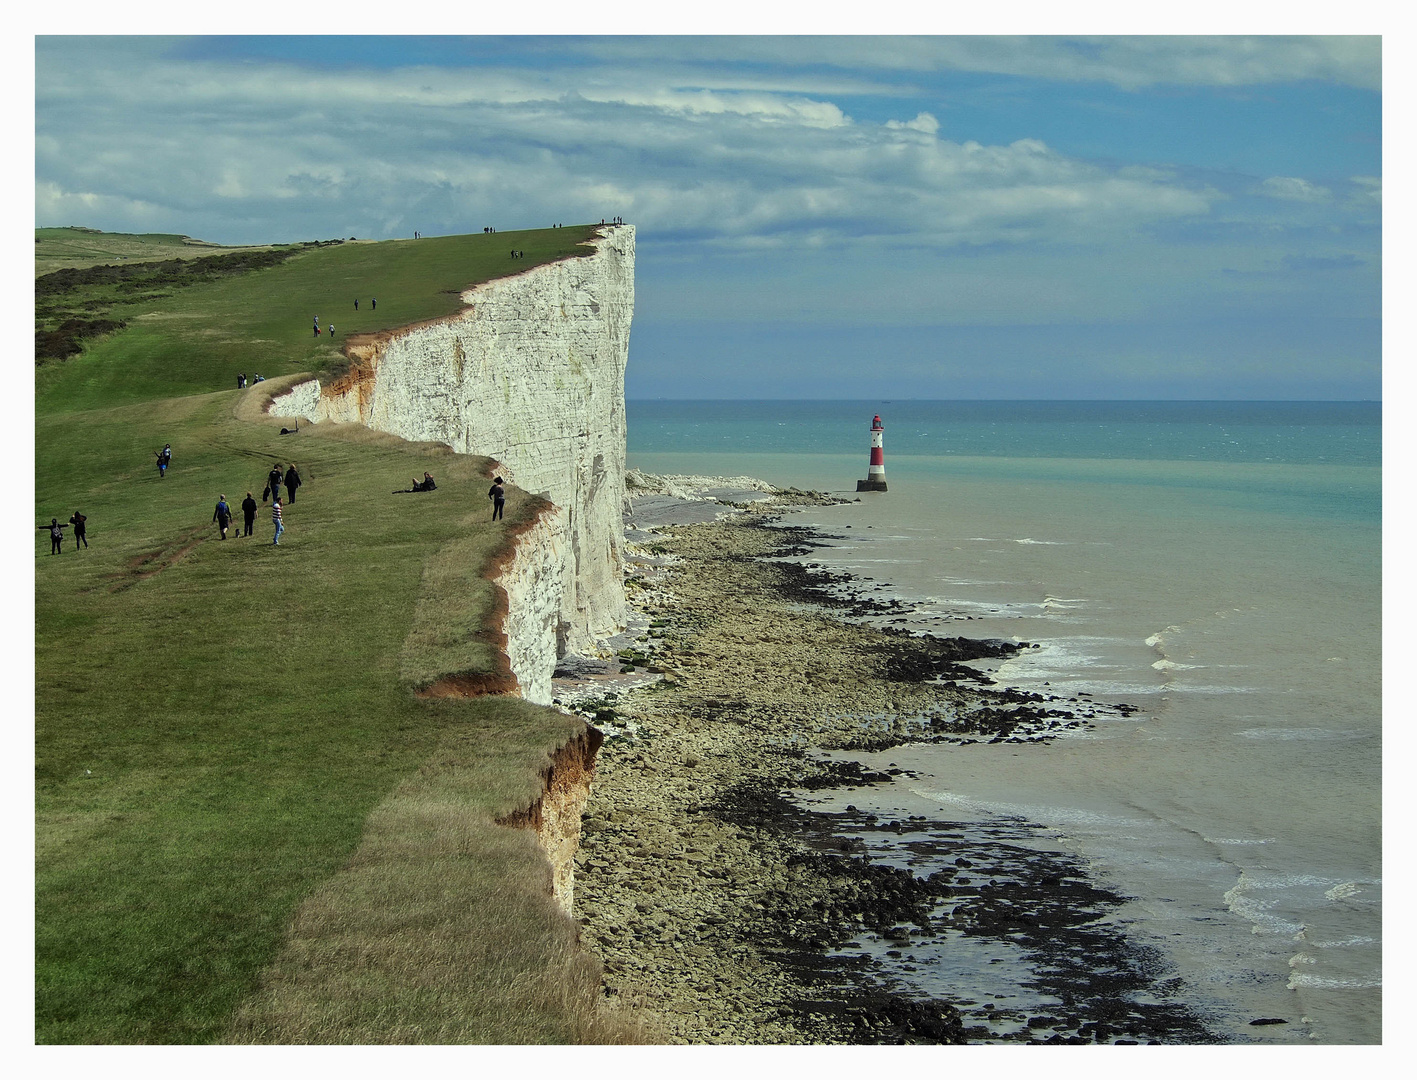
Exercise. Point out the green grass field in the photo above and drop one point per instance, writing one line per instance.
(57, 249)
(218, 722)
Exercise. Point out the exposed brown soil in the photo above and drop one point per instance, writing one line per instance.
(150, 563)
(571, 767)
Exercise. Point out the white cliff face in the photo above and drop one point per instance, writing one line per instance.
(531, 373)
(535, 585)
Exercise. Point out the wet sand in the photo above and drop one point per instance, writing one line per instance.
(729, 909)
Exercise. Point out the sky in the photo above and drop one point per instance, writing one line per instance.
(817, 217)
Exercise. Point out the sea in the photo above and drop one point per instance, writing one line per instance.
(1217, 565)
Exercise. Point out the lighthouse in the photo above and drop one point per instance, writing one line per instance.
(876, 473)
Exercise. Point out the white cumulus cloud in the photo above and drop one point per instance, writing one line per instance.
(1294, 189)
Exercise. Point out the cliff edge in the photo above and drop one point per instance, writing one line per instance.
(531, 373)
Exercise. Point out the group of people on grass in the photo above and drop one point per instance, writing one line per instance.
(223, 515)
(56, 532)
(275, 480)
(330, 327)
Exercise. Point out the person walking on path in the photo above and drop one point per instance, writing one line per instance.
(164, 459)
(78, 521)
(332, 329)
(248, 511)
(274, 481)
(56, 535)
(498, 495)
(292, 481)
(275, 517)
(222, 515)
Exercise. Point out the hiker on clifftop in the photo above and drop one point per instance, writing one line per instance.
(273, 483)
(275, 518)
(222, 515)
(79, 521)
(292, 481)
(248, 509)
(56, 535)
(164, 459)
(498, 495)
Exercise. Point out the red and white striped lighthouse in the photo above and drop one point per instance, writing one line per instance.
(876, 473)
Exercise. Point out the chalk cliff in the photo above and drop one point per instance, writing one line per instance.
(532, 373)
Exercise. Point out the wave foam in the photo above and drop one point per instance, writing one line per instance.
(1299, 734)
(1318, 982)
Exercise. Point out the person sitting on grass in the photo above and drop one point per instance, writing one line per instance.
(426, 484)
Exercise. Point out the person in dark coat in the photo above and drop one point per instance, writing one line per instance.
(248, 510)
(56, 535)
(426, 484)
(78, 521)
(498, 495)
(292, 481)
(274, 481)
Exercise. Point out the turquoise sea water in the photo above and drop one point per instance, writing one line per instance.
(1217, 565)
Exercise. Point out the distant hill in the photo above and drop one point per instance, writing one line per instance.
(75, 247)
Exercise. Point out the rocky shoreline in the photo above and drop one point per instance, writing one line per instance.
(729, 912)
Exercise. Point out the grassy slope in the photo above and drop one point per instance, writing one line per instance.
(56, 249)
(212, 736)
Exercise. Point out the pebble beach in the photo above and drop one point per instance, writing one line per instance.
(722, 904)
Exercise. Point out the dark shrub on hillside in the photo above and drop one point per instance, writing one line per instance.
(67, 338)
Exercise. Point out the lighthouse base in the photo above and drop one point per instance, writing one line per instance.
(870, 485)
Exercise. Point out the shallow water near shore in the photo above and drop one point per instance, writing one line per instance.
(1236, 604)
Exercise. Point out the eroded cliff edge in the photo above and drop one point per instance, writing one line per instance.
(532, 373)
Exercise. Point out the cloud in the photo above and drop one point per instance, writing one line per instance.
(1293, 189)
(341, 152)
(1370, 189)
(1128, 62)
(922, 122)
(1323, 262)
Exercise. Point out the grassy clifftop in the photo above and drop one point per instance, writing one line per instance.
(189, 330)
(216, 721)
(75, 246)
